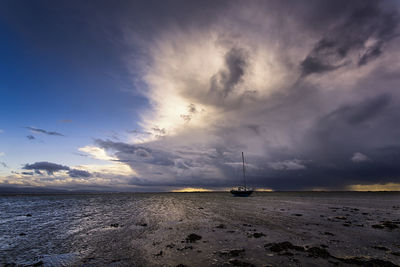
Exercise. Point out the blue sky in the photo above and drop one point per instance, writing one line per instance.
(54, 77)
(158, 96)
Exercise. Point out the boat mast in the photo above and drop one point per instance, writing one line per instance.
(244, 173)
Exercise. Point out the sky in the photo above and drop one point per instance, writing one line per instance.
(149, 96)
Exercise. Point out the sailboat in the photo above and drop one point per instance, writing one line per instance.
(242, 191)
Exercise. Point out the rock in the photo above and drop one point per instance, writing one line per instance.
(381, 248)
(278, 247)
(180, 265)
(317, 252)
(231, 252)
(386, 224)
(297, 214)
(368, 262)
(396, 253)
(184, 248)
(201, 208)
(378, 226)
(36, 264)
(114, 225)
(221, 226)
(248, 225)
(390, 225)
(28, 215)
(258, 235)
(170, 245)
(22, 234)
(236, 262)
(159, 253)
(192, 238)
(142, 224)
(341, 218)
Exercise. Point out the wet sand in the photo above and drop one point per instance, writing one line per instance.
(205, 229)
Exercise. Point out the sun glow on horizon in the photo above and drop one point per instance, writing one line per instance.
(191, 189)
(375, 187)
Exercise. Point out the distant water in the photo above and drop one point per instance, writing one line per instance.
(61, 230)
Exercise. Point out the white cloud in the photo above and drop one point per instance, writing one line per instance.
(2, 154)
(289, 165)
(359, 157)
(96, 153)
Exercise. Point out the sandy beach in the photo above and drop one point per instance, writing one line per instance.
(202, 229)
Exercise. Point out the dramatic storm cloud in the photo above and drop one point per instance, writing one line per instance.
(308, 90)
(301, 96)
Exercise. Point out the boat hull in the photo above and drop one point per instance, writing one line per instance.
(241, 193)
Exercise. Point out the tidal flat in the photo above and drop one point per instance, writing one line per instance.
(201, 229)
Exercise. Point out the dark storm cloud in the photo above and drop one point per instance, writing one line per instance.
(360, 23)
(130, 154)
(330, 133)
(30, 137)
(27, 173)
(38, 130)
(224, 82)
(49, 167)
(360, 112)
(78, 173)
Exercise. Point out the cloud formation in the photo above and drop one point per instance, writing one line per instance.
(51, 168)
(299, 96)
(38, 130)
(359, 157)
(48, 167)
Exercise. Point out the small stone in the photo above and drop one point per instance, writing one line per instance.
(192, 238)
(381, 248)
(258, 235)
(236, 262)
(318, 252)
(159, 253)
